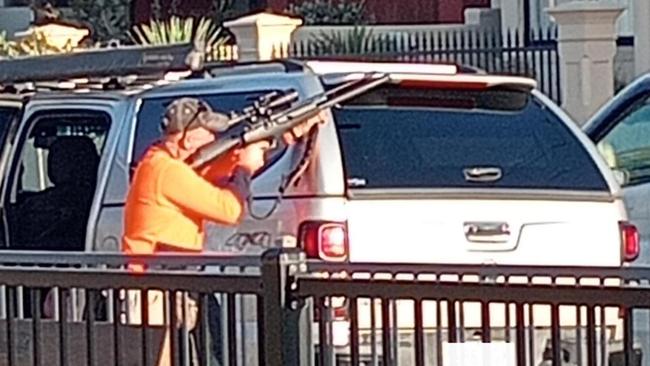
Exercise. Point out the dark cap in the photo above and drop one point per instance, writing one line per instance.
(186, 113)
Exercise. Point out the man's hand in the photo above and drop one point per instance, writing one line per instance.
(302, 129)
(251, 157)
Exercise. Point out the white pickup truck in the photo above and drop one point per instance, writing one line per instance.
(436, 166)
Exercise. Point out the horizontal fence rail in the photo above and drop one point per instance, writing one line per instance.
(281, 309)
(409, 314)
(91, 309)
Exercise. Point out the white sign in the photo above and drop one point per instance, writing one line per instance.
(479, 354)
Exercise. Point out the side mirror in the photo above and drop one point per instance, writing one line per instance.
(622, 176)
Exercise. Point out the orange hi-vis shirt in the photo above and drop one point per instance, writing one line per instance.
(169, 201)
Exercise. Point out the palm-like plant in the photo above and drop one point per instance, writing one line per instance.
(177, 30)
(359, 40)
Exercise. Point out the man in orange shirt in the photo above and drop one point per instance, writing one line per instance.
(168, 201)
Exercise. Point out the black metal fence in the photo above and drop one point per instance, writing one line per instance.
(78, 309)
(489, 50)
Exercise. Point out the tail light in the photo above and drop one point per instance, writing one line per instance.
(630, 242)
(328, 241)
(324, 240)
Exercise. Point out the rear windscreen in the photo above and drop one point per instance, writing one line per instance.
(421, 138)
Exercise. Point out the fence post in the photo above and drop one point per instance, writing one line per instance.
(262, 36)
(587, 46)
(641, 37)
(285, 324)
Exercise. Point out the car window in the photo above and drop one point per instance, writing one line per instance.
(152, 110)
(423, 138)
(7, 115)
(69, 129)
(626, 147)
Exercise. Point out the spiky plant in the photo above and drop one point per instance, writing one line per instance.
(180, 30)
(359, 40)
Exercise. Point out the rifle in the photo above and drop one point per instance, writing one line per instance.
(274, 114)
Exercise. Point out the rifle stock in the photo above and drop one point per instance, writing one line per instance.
(263, 126)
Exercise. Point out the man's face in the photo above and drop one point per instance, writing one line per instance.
(196, 138)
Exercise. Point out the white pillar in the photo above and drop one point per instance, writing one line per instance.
(260, 36)
(512, 15)
(587, 46)
(641, 36)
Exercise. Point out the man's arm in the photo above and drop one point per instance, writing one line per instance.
(224, 204)
(221, 167)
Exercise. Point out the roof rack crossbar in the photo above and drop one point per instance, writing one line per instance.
(112, 62)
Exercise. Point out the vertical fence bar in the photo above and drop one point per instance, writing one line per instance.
(325, 346)
(394, 329)
(261, 332)
(463, 51)
(521, 334)
(354, 332)
(555, 335)
(231, 320)
(63, 328)
(185, 337)
(373, 332)
(591, 336)
(451, 321)
(487, 51)
(385, 332)
(454, 46)
(423, 46)
(460, 329)
(515, 52)
(36, 325)
(497, 48)
(508, 337)
(11, 298)
(240, 305)
(578, 335)
(628, 336)
(547, 60)
(476, 49)
(115, 299)
(433, 47)
(205, 352)
(603, 335)
(144, 320)
(541, 66)
(90, 327)
(438, 334)
(485, 322)
(419, 333)
(531, 334)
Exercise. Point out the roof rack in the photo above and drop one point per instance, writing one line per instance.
(108, 62)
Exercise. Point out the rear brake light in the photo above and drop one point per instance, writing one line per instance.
(630, 242)
(324, 240)
(444, 84)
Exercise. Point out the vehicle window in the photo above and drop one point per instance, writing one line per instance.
(627, 146)
(54, 179)
(56, 131)
(7, 115)
(153, 109)
(420, 138)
